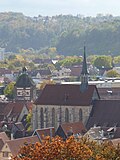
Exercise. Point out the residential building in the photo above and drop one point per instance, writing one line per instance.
(77, 129)
(12, 147)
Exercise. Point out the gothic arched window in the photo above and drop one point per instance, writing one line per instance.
(53, 117)
(41, 117)
(66, 115)
(80, 115)
(46, 117)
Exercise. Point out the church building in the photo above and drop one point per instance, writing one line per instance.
(60, 103)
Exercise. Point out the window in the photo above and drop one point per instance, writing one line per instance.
(80, 115)
(53, 117)
(5, 154)
(46, 117)
(66, 115)
(42, 118)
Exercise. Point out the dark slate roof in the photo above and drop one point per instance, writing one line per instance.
(65, 94)
(76, 70)
(24, 81)
(109, 93)
(42, 61)
(105, 113)
(42, 72)
(19, 126)
(84, 67)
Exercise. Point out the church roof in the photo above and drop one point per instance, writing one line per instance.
(24, 81)
(66, 94)
(105, 113)
(84, 67)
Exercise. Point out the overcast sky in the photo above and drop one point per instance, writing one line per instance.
(56, 7)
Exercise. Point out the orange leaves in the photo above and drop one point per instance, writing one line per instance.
(71, 149)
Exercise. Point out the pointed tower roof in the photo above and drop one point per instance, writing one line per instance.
(84, 75)
(24, 70)
(24, 80)
(84, 67)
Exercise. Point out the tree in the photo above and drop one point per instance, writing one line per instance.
(117, 59)
(9, 90)
(69, 61)
(71, 149)
(103, 62)
(43, 84)
(28, 119)
(112, 73)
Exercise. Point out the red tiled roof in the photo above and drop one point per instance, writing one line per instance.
(4, 137)
(2, 106)
(1, 143)
(115, 142)
(29, 105)
(45, 132)
(76, 127)
(14, 107)
(15, 144)
(65, 94)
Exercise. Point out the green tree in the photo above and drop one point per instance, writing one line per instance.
(29, 118)
(103, 62)
(69, 61)
(112, 73)
(117, 59)
(91, 58)
(9, 90)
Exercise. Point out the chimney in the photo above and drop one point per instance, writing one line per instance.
(12, 136)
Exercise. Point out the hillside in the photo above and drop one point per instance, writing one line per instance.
(65, 32)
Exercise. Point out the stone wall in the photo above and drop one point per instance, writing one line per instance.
(52, 115)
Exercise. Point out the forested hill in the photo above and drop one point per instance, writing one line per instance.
(65, 32)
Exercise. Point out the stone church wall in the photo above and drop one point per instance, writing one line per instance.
(52, 115)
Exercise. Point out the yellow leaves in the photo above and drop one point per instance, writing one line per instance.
(71, 149)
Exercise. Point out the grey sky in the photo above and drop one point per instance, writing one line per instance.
(55, 7)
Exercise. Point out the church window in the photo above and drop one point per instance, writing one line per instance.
(46, 117)
(66, 115)
(80, 115)
(42, 118)
(53, 117)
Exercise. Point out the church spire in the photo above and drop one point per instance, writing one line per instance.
(84, 74)
(84, 66)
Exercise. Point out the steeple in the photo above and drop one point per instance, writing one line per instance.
(84, 74)
(24, 70)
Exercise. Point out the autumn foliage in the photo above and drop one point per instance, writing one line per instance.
(71, 149)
